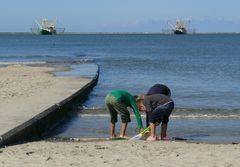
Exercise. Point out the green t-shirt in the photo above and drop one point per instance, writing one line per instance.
(127, 99)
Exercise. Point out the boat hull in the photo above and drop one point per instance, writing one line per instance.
(46, 32)
(180, 32)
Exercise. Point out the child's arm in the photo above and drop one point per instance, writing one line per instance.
(137, 114)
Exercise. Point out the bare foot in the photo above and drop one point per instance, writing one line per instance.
(152, 138)
(125, 137)
(165, 138)
(113, 136)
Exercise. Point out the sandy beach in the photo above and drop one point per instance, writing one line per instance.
(120, 153)
(26, 91)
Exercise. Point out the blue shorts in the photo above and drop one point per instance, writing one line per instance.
(161, 113)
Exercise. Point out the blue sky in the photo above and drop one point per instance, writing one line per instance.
(121, 15)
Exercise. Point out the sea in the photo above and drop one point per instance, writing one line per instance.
(202, 71)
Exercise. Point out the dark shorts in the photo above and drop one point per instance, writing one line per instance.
(115, 107)
(161, 113)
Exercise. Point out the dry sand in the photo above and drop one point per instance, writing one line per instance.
(121, 154)
(25, 91)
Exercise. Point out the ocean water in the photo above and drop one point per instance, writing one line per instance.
(202, 71)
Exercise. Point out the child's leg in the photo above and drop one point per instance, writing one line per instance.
(109, 100)
(125, 117)
(123, 130)
(112, 130)
(152, 129)
(163, 131)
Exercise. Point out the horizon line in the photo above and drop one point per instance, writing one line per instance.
(69, 33)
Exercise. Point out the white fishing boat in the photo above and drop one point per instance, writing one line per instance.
(180, 27)
(46, 27)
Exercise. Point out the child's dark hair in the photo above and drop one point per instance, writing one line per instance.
(138, 98)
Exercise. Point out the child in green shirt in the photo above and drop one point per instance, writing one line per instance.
(117, 102)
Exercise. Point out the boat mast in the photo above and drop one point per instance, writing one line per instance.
(39, 25)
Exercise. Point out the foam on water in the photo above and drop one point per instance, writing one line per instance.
(180, 113)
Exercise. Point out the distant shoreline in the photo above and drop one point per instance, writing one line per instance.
(122, 33)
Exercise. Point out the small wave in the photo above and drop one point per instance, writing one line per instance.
(172, 116)
(85, 61)
(92, 115)
(204, 116)
(91, 108)
(206, 113)
(23, 63)
(179, 113)
(70, 61)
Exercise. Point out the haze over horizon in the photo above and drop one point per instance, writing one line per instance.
(121, 16)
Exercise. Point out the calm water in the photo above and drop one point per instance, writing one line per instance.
(203, 72)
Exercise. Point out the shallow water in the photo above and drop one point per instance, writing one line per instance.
(194, 130)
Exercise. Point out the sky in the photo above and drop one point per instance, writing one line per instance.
(121, 15)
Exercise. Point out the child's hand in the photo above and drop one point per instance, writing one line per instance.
(146, 135)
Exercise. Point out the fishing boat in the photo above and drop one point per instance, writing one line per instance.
(180, 27)
(46, 27)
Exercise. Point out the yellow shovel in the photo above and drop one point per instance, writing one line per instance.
(139, 136)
